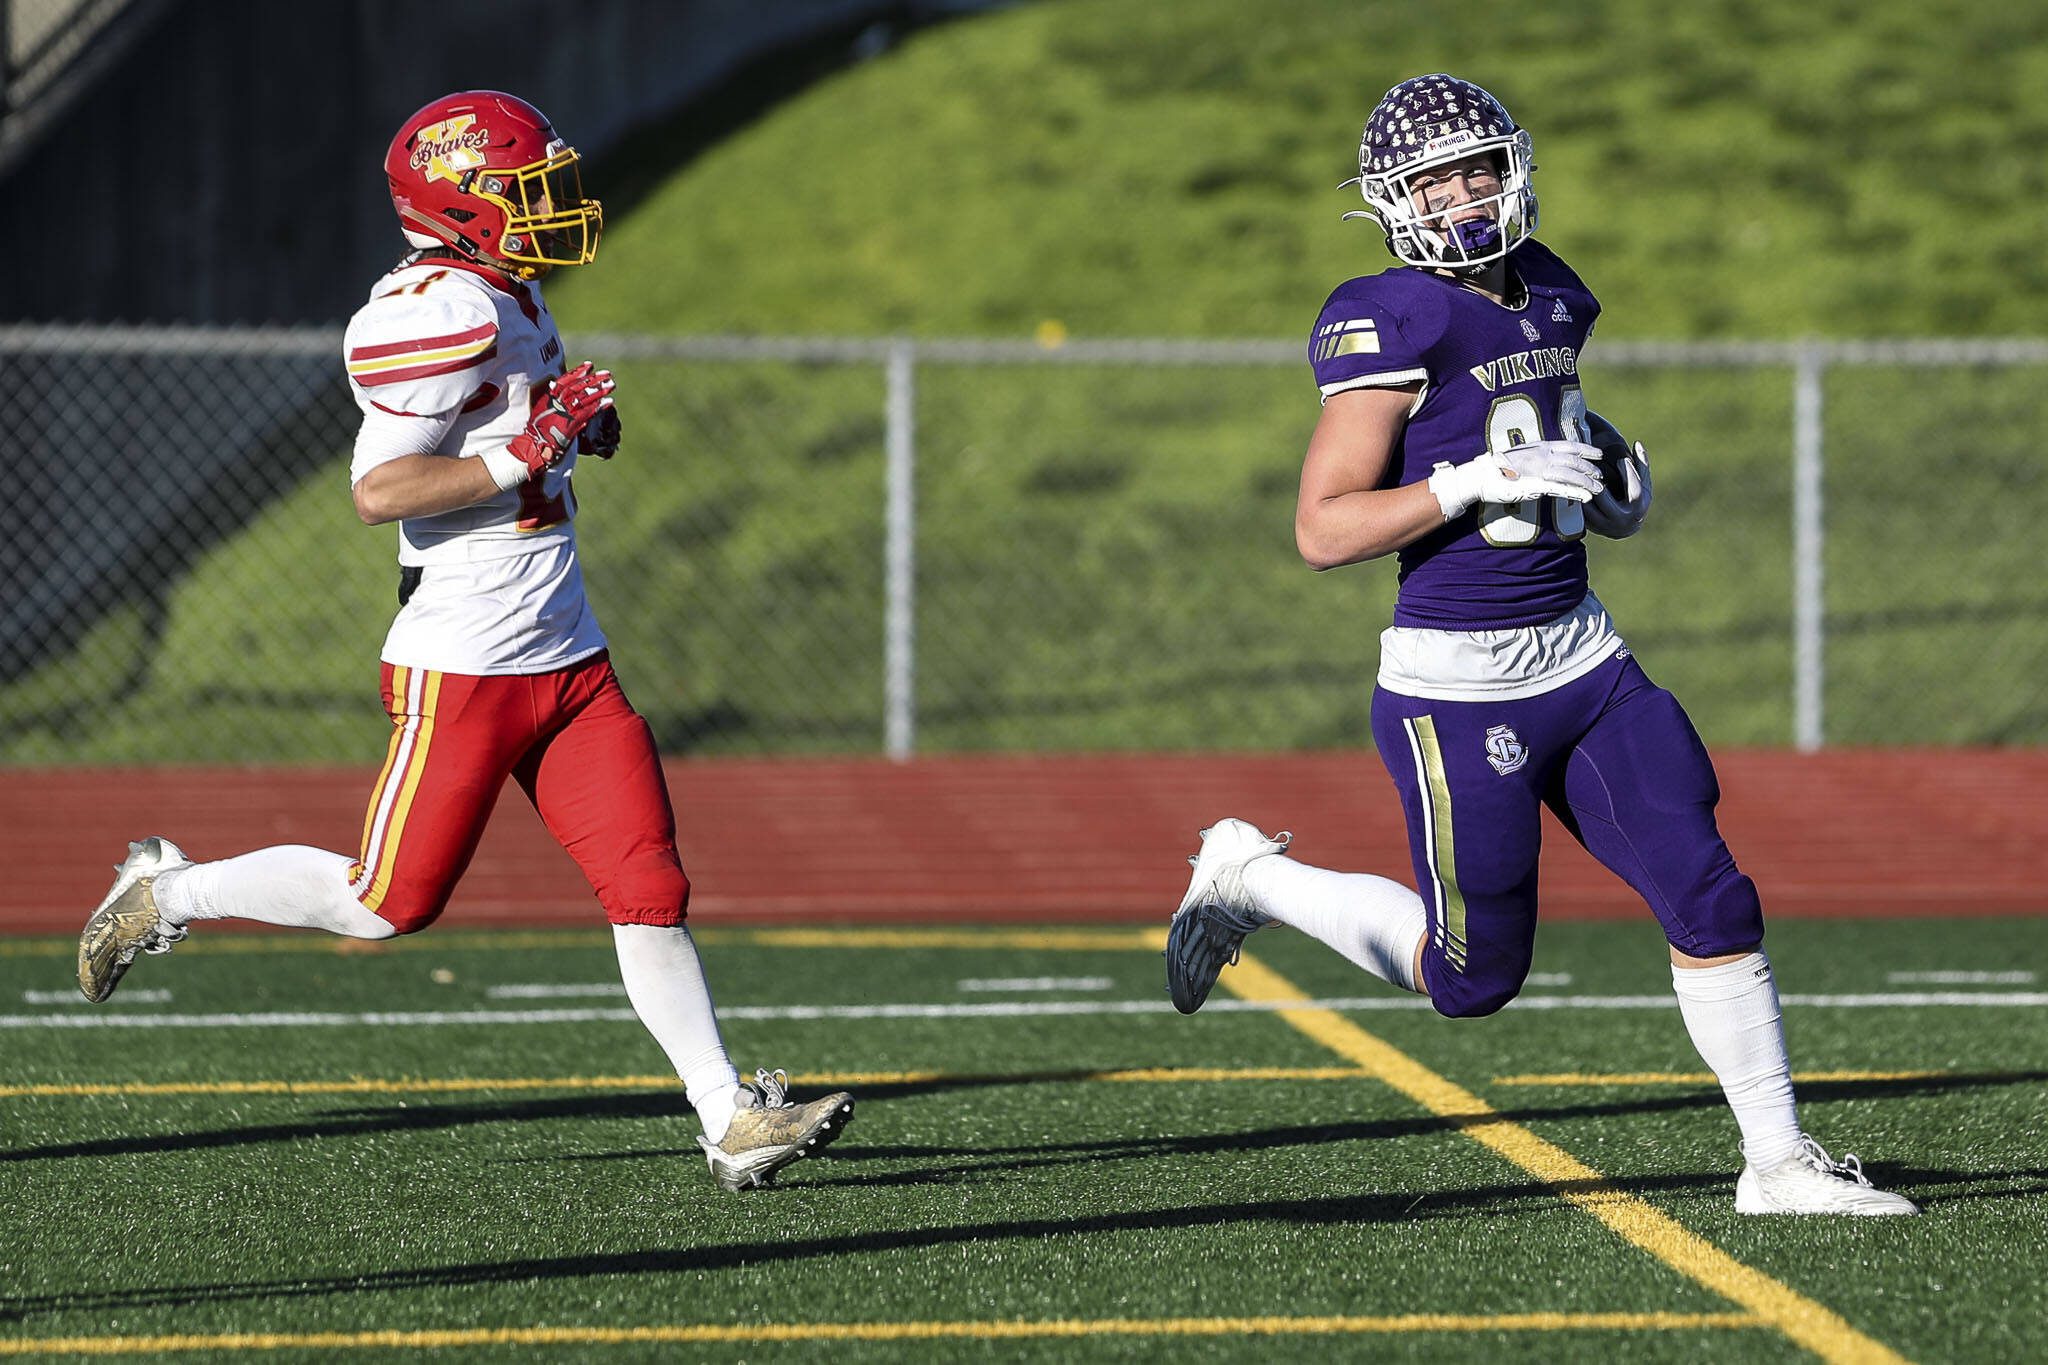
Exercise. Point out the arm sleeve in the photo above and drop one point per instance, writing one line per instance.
(387, 436)
(1361, 343)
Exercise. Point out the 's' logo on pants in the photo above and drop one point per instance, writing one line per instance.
(1504, 750)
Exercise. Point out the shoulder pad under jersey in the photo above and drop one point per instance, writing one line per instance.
(419, 349)
(1376, 332)
(1545, 273)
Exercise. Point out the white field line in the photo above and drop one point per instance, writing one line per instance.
(1960, 978)
(1001, 984)
(544, 991)
(553, 991)
(1022, 984)
(1005, 1009)
(538, 990)
(74, 998)
(1034, 983)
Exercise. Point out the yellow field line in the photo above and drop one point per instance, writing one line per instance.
(748, 1333)
(1700, 1077)
(1173, 1074)
(371, 1085)
(1085, 940)
(1818, 1329)
(506, 940)
(465, 940)
(360, 1085)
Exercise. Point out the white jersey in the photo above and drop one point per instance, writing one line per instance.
(445, 359)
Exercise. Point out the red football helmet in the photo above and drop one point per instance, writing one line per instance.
(483, 172)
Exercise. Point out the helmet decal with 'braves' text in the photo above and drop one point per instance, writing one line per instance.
(447, 149)
(484, 174)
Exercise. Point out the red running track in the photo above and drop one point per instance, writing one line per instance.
(1857, 832)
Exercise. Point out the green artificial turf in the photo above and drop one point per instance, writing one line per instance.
(989, 1176)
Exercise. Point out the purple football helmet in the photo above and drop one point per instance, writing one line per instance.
(1422, 123)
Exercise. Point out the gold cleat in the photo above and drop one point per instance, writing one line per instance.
(126, 922)
(774, 1131)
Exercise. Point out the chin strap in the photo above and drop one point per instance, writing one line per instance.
(522, 271)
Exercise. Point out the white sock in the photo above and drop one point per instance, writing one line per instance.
(306, 888)
(665, 981)
(1731, 1011)
(1375, 922)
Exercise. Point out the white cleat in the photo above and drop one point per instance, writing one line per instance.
(126, 922)
(1209, 929)
(1811, 1181)
(773, 1131)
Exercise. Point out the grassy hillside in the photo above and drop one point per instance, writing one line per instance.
(1104, 554)
(1728, 168)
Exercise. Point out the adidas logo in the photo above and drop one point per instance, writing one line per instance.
(1560, 313)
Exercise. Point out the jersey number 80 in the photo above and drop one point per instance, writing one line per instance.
(1513, 421)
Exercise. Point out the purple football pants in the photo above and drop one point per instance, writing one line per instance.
(1618, 762)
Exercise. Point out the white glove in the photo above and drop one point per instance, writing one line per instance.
(1541, 469)
(1618, 513)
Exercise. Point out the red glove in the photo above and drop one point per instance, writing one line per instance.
(572, 402)
(601, 437)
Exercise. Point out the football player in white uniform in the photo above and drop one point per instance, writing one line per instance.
(495, 666)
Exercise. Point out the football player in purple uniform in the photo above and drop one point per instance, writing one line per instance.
(1454, 433)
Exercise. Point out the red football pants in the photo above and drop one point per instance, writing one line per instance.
(579, 751)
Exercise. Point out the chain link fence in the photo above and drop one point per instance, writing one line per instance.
(873, 546)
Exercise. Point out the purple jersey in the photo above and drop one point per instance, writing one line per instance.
(1492, 377)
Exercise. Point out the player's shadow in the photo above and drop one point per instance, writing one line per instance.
(364, 1122)
(1401, 1206)
(1708, 1096)
(964, 1163)
(668, 1104)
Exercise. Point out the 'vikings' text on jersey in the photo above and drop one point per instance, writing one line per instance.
(1510, 373)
